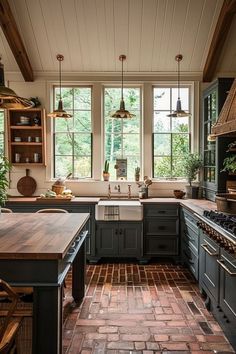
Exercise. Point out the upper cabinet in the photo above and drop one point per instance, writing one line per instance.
(214, 151)
(26, 136)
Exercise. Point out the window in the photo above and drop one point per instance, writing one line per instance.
(73, 136)
(2, 145)
(122, 136)
(171, 136)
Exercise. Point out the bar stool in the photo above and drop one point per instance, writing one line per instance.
(9, 325)
(6, 210)
(52, 210)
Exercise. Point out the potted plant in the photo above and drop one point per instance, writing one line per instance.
(192, 165)
(137, 174)
(5, 167)
(229, 164)
(106, 174)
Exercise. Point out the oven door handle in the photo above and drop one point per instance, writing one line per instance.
(221, 263)
(205, 247)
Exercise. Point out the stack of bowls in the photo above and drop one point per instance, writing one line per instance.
(24, 120)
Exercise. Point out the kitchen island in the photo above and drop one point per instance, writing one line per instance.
(37, 250)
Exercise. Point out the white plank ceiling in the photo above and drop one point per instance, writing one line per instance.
(91, 34)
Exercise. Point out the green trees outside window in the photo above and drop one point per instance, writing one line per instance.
(171, 136)
(122, 136)
(73, 136)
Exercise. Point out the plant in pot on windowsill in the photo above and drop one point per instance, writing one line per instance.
(192, 165)
(5, 167)
(106, 174)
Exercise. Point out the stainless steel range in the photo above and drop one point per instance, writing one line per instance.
(221, 228)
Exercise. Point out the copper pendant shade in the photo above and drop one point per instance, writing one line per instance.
(122, 112)
(179, 112)
(8, 98)
(60, 112)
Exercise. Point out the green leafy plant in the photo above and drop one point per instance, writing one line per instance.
(106, 167)
(192, 164)
(137, 170)
(229, 164)
(5, 167)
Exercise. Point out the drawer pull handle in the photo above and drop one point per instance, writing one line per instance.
(221, 263)
(161, 212)
(161, 227)
(190, 260)
(205, 247)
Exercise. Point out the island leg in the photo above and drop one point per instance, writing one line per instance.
(47, 320)
(78, 275)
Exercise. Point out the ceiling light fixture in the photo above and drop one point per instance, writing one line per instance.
(179, 112)
(60, 112)
(122, 112)
(8, 98)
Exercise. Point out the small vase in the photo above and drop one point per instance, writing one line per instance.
(137, 178)
(106, 176)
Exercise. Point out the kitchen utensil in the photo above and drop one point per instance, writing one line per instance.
(26, 185)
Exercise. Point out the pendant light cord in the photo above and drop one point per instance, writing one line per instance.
(60, 77)
(122, 80)
(178, 79)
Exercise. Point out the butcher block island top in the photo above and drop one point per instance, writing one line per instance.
(39, 235)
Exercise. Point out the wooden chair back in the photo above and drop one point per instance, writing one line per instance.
(52, 210)
(10, 325)
(6, 210)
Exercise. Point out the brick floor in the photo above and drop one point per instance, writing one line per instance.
(130, 308)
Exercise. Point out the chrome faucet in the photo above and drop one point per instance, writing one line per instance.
(117, 188)
(129, 191)
(109, 191)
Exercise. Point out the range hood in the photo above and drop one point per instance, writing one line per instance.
(226, 123)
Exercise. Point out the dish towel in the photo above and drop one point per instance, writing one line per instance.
(112, 212)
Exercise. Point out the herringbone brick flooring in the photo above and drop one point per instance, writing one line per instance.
(129, 308)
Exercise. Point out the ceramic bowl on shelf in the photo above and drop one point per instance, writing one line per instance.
(17, 138)
(178, 193)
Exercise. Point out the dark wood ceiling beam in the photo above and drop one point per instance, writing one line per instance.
(221, 31)
(15, 42)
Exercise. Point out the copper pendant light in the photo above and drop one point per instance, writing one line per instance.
(60, 112)
(122, 112)
(8, 98)
(179, 112)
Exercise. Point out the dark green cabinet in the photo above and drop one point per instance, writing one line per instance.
(190, 241)
(209, 267)
(214, 151)
(118, 239)
(161, 229)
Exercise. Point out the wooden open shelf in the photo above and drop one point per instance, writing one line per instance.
(26, 149)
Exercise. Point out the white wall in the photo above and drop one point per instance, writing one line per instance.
(41, 88)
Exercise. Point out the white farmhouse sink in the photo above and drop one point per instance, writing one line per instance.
(119, 210)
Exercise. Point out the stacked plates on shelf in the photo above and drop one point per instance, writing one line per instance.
(24, 120)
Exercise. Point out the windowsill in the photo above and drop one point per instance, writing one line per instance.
(117, 181)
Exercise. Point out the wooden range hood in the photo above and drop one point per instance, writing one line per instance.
(226, 123)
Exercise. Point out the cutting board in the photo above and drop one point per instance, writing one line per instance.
(26, 185)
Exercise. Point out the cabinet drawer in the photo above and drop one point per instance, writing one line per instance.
(227, 264)
(191, 259)
(190, 220)
(155, 245)
(161, 210)
(163, 226)
(190, 237)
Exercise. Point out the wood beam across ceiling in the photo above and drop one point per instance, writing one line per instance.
(221, 31)
(14, 39)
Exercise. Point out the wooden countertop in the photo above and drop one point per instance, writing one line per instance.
(38, 236)
(195, 205)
